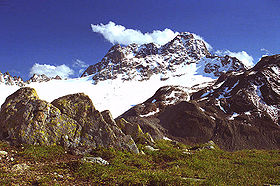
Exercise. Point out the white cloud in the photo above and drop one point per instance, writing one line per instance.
(242, 56)
(266, 52)
(79, 64)
(119, 34)
(51, 71)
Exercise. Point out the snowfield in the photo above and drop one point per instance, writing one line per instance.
(115, 95)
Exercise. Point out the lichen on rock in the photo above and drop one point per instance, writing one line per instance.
(71, 121)
(135, 131)
(27, 119)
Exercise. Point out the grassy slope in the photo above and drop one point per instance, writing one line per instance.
(168, 166)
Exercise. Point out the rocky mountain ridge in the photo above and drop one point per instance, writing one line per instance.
(134, 62)
(7, 79)
(255, 90)
(239, 110)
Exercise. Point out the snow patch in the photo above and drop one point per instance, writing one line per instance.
(6, 90)
(166, 138)
(203, 110)
(252, 73)
(150, 113)
(218, 85)
(228, 90)
(276, 70)
(212, 118)
(237, 73)
(247, 113)
(202, 99)
(219, 104)
(233, 116)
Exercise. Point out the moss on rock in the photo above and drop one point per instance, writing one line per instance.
(70, 121)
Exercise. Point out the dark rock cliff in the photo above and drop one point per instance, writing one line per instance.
(240, 110)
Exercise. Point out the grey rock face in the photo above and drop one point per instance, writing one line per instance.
(27, 119)
(20, 167)
(98, 160)
(71, 121)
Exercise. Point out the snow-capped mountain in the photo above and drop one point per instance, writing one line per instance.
(42, 78)
(254, 93)
(127, 75)
(197, 96)
(7, 79)
(181, 56)
(238, 110)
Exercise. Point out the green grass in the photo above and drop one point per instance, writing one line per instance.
(167, 166)
(170, 166)
(42, 153)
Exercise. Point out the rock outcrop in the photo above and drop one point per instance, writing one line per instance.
(27, 119)
(143, 115)
(135, 131)
(70, 121)
(256, 91)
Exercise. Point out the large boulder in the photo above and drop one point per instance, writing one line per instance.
(96, 131)
(24, 118)
(70, 121)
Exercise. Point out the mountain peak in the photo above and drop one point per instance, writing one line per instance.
(7, 79)
(42, 78)
(186, 43)
(185, 35)
(173, 59)
(266, 61)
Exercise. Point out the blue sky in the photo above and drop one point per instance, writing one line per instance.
(57, 33)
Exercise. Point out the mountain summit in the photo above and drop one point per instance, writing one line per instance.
(183, 55)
